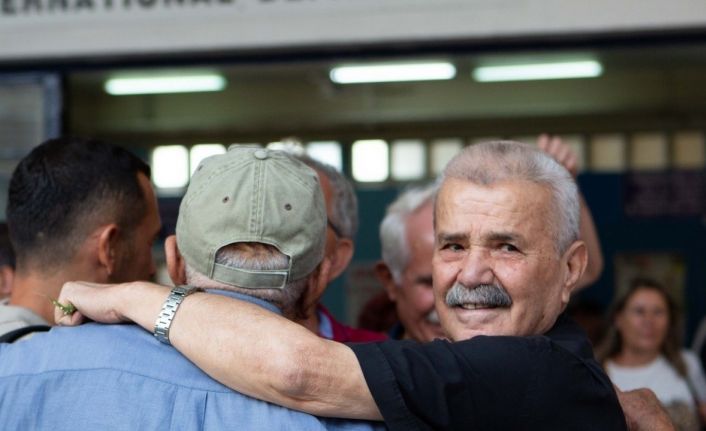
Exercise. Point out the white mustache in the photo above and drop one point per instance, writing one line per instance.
(486, 295)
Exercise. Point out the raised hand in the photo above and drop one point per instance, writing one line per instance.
(561, 152)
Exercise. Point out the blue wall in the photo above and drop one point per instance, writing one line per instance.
(620, 233)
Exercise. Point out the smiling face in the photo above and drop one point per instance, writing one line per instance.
(414, 296)
(644, 322)
(499, 237)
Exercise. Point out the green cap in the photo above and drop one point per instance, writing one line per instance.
(252, 194)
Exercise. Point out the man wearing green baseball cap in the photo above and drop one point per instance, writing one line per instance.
(252, 227)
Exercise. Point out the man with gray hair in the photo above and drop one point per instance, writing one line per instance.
(251, 226)
(341, 227)
(506, 258)
(407, 239)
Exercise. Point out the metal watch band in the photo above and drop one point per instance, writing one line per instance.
(169, 309)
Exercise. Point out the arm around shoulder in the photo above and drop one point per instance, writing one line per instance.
(243, 346)
(266, 356)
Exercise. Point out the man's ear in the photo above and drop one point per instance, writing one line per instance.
(344, 254)
(384, 274)
(576, 260)
(175, 262)
(316, 285)
(108, 242)
(7, 278)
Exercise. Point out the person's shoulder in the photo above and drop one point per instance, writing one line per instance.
(688, 355)
(691, 360)
(357, 335)
(92, 347)
(78, 345)
(13, 317)
(347, 334)
(500, 344)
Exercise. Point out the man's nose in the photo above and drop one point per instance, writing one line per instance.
(477, 268)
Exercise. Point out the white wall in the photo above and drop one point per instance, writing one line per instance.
(43, 29)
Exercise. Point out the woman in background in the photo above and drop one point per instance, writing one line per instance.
(643, 350)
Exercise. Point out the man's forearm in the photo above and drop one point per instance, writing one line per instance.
(589, 235)
(251, 350)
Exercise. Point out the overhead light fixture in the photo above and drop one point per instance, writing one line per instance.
(153, 84)
(538, 71)
(393, 72)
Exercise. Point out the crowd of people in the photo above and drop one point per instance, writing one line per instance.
(470, 330)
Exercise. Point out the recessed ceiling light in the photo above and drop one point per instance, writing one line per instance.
(153, 84)
(393, 72)
(538, 71)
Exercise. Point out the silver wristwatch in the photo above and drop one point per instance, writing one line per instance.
(169, 309)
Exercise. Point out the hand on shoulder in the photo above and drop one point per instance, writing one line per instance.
(643, 411)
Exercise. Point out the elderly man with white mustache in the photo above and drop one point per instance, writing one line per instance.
(407, 240)
(506, 215)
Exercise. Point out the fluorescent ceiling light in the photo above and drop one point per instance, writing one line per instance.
(389, 72)
(537, 71)
(165, 84)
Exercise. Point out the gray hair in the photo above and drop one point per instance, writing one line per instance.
(256, 256)
(491, 162)
(344, 209)
(393, 235)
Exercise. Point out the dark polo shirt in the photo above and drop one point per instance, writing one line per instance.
(545, 382)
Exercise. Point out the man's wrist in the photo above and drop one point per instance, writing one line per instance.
(140, 302)
(169, 309)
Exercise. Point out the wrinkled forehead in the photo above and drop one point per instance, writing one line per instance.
(457, 192)
(520, 203)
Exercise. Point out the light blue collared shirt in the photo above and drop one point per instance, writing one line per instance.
(119, 377)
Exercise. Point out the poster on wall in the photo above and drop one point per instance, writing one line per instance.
(665, 194)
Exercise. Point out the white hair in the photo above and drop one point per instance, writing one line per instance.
(491, 162)
(255, 256)
(344, 209)
(393, 235)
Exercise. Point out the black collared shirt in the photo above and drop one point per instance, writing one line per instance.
(546, 382)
